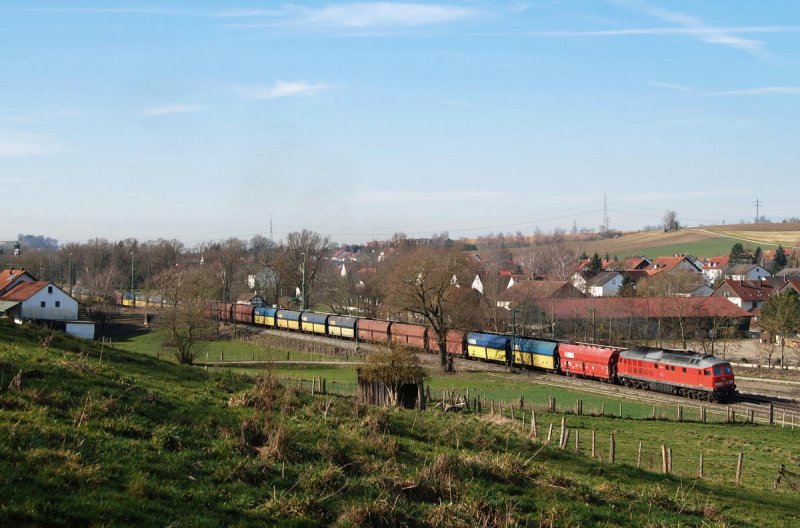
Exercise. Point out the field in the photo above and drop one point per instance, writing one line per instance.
(700, 241)
(97, 436)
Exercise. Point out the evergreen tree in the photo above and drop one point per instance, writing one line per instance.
(758, 256)
(738, 254)
(596, 263)
(628, 287)
(780, 257)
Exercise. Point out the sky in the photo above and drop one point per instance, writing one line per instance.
(205, 120)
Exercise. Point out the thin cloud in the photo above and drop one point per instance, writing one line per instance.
(694, 32)
(26, 147)
(675, 87)
(698, 29)
(284, 89)
(764, 90)
(171, 109)
(382, 14)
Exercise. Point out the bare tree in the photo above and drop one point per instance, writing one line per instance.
(670, 221)
(185, 292)
(420, 282)
(303, 259)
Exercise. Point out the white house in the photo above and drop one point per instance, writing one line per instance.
(11, 277)
(38, 300)
(604, 284)
(746, 272)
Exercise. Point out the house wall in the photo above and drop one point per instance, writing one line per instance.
(32, 309)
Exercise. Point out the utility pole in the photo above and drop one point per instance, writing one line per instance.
(133, 291)
(69, 271)
(757, 203)
(513, 337)
(303, 287)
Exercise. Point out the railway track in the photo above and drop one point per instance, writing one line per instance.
(742, 405)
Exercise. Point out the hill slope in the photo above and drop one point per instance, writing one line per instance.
(129, 440)
(698, 241)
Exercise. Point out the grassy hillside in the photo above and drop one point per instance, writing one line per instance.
(126, 439)
(700, 241)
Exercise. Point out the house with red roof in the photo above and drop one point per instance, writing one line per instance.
(528, 291)
(746, 294)
(11, 277)
(38, 300)
(674, 263)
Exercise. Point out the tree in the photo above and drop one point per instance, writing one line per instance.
(595, 263)
(780, 257)
(394, 367)
(185, 292)
(780, 316)
(738, 255)
(628, 287)
(420, 282)
(758, 256)
(302, 260)
(670, 221)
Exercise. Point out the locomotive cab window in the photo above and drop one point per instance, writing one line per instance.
(706, 373)
(717, 371)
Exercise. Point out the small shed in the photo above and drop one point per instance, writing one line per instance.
(409, 394)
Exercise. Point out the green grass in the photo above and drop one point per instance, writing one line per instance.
(132, 440)
(704, 248)
(153, 343)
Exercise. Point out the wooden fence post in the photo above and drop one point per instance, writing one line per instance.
(561, 433)
(521, 402)
(593, 439)
(533, 425)
(523, 420)
(739, 463)
(700, 469)
(566, 439)
(612, 450)
(778, 477)
(325, 386)
(663, 459)
(577, 441)
(669, 460)
(492, 402)
(680, 413)
(512, 411)
(703, 413)
(603, 409)
(639, 456)
(620, 409)
(771, 413)
(550, 433)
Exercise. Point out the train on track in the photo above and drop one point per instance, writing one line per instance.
(679, 372)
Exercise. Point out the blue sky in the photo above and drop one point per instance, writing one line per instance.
(198, 120)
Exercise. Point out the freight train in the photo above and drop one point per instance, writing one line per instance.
(678, 372)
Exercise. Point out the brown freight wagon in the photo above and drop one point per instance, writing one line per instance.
(373, 331)
(243, 313)
(456, 340)
(411, 335)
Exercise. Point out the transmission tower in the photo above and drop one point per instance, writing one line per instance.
(270, 228)
(758, 203)
(605, 214)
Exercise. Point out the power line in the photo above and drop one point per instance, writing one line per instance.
(757, 203)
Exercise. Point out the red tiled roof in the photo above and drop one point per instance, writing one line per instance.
(24, 291)
(716, 262)
(749, 290)
(666, 264)
(640, 307)
(538, 290)
(9, 275)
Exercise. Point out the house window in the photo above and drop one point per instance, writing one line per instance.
(43, 304)
(49, 289)
(58, 304)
